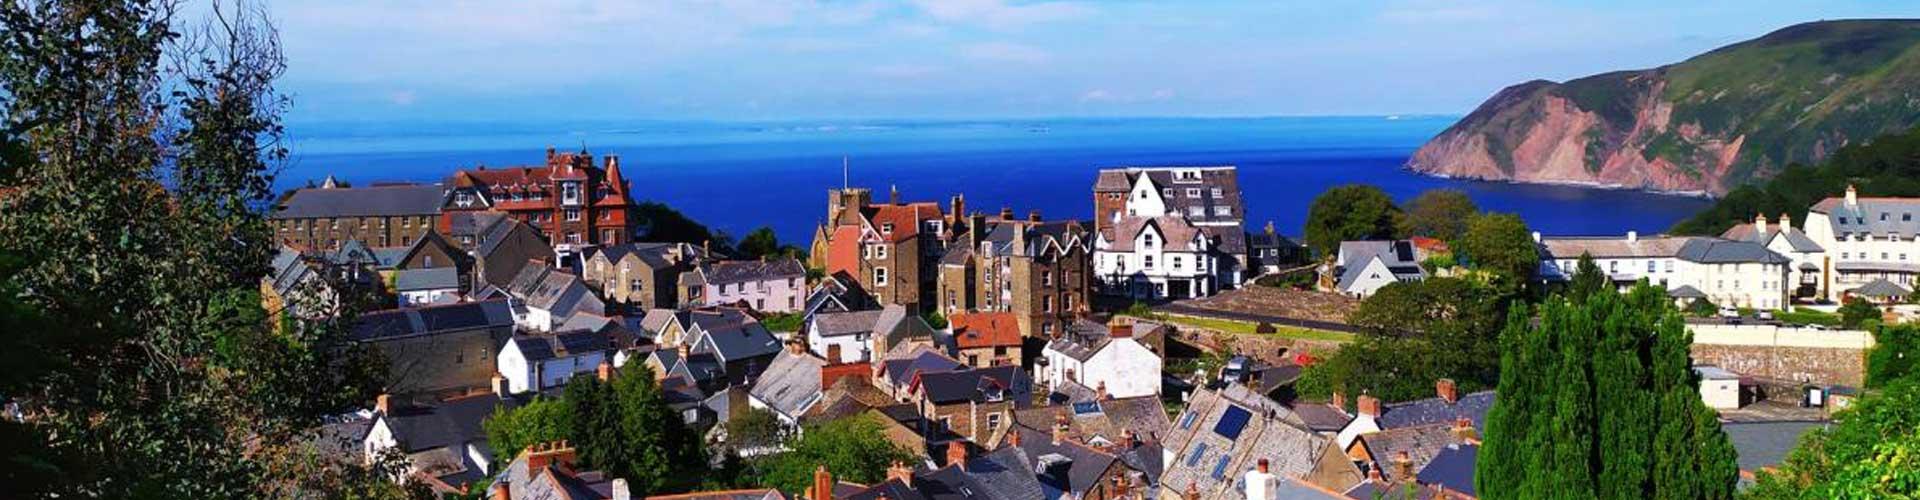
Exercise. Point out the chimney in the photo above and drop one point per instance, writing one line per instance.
(1006, 213)
(1760, 223)
(1119, 330)
(549, 153)
(1446, 390)
(499, 385)
(1033, 215)
(958, 206)
(1013, 437)
(1100, 392)
(796, 347)
(957, 454)
(620, 489)
(1403, 466)
(1853, 196)
(1269, 228)
(893, 194)
(1127, 439)
(1368, 405)
(383, 403)
(1463, 429)
(899, 471)
(1373, 474)
(1633, 236)
(502, 491)
(833, 353)
(684, 349)
(1340, 401)
(1536, 236)
(822, 484)
(1262, 465)
(1192, 493)
(976, 227)
(1060, 429)
(605, 370)
(1786, 223)
(555, 452)
(1120, 486)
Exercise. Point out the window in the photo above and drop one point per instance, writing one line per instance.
(1216, 192)
(1220, 468)
(993, 422)
(886, 228)
(1148, 262)
(879, 251)
(1651, 264)
(573, 237)
(570, 192)
(606, 236)
(1167, 192)
(1222, 210)
(1193, 192)
(1147, 240)
(1196, 211)
(1613, 266)
(573, 215)
(635, 286)
(1176, 262)
(879, 276)
(1046, 304)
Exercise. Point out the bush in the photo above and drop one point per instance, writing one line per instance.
(1701, 308)
(1856, 312)
(783, 322)
(1807, 317)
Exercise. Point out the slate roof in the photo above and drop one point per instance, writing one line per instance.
(371, 201)
(891, 489)
(1224, 177)
(437, 278)
(1879, 216)
(452, 422)
(844, 323)
(1796, 240)
(902, 370)
(1398, 255)
(1146, 416)
(1716, 251)
(741, 494)
(1612, 247)
(1474, 406)
(986, 329)
(1420, 443)
(1176, 234)
(744, 271)
(1004, 473)
(1063, 466)
(839, 292)
(1452, 467)
(655, 255)
(1223, 433)
(1040, 238)
(791, 384)
(1322, 417)
(1686, 292)
(1083, 339)
(398, 323)
(1876, 266)
(976, 384)
(1881, 288)
(289, 271)
(562, 344)
(353, 252)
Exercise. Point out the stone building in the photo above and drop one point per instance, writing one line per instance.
(574, 203)
(382, 215)
(892, 248)
(641, 275)
(1040, 271)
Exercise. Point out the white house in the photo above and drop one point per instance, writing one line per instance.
(1363, 267)
(418, 287)
(1093, 355)
(1866, 239)
(1725, 272)
(544, 297)
(1155, 258)
(1719, 388)
(539, 362)
(862, 336)
(1806, 256)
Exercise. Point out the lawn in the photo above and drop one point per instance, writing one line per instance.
(1247, 328)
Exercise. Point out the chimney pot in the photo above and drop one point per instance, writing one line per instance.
(383, 403)
(1403, 466)
(1340, 400)
(957, 454)
(1536, 236)
(1786, 223)
(893, 194)
(1033, 216)
(1853, 197)
(1263, 465)
(1633, 236)
(1192, 493)
(1368, 405)
(900, 472)
(822, 484)
(605, 370)
(1006, 213)
(1446, 390)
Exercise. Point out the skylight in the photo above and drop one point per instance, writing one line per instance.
(1232, 422)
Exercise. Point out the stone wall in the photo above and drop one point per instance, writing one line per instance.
(1788, 354)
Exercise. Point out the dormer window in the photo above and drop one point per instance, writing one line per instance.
(1147, 241)
(1167, 192)
(886, 228)
(1193, 192)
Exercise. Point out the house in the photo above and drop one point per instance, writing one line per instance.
(727, 356)
(437, 348)
(790, 387)
(572, 202)
(892, 249)
(1866, 239)
(838, 293)
(299, 286)
(855, 337)
(1206, 198)
(640, 275)
(1399, 454)
(418, 287)
(443, 441)
(1725, 272)
(1105, 358)
(1805, 256)
(498, 245)
(669, 327)
(357, 255)
(1037, 271)
(545, 361)
(551, 471)
(1068, 469)
(1227, 431)
(985, 339)
(1363, 267)
(1719, 388)
(1002, 473)
(1162, 257)
(1271, 252)
(896, 374)
(324, 217)
(1449, 406)
(549, 296)
(773, 285)
(1103, 422)
(976, 404)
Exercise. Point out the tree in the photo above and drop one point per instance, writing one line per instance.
(1868, 453)
(1856, 312)
(850, 448)
(1438, 213)
(1588, 280)
(510, 431)
(1598, 399)
(1350, 212)
(763, 243)
(1702, 308)
(1500, 244)
(661, 223)
(1887, 165)
(137, 152)
(755, 428)
(1416, 332)
(1893, 355)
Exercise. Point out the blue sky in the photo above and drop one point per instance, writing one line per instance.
(488, 60)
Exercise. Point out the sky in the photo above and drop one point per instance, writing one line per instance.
(494, 60)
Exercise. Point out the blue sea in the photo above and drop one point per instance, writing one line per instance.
(737, 176)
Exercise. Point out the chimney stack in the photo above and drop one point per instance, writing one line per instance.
(544, 454)
(1786, 223)
(1536, 236)
(383, 403)
(796, 347)
(1100, 392)
(620, 489)
(1192, 493)
(1368, 405)
(957, 454)
(1853, 196)
(899, 471)
(1262, 465)
(1760, 223)
(959, 208)
(1060, 429)
(605, 370)
(1446, 390)
(1013, 437)
(1127, 439)
(1340, 401)
(1403, 466)
(499, 385)
(1033, 215)
(893, 194)
(684, 349)
(1006, 213)
(1121, 486)
(822, 488)
(1463, 429)
(501, 491)
(1633, 236)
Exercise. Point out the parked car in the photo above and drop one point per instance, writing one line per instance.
(1236, 369)
(1764, 315)
(1728, 312)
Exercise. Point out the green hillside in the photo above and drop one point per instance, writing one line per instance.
(1885, 166)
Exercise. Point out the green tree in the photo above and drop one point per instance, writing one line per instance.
(1417, 332)
(1868, 453)
(137, 148)
(1856, 312)
(755, 428)
(1500, 244)
(661, 223)
(1888, 165)
(848, 447)
(763, 243)
(1894, 352)
(510, 431)
(1350, 212)
(1438, 213)
(936, 320)
(1702, 308)
(1588, 280)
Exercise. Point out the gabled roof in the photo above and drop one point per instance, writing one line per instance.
(1717, 251)
(904, 218)
(904, 370)
(844, 323)
(1452, 467)
(975, 384)
(562, 344)
(744, 271)
(791, 384)
(452, 422)
(399, 323)
(1223, 177)
(986, 329)
(1880, 287)
(436, 278)
(655, 255)
(839, 292)
(1107, 419)
(1065, 465)
(1224, 432)
(1796, 240)
(1878, 216)
(1437, 411)
(1420, 444)
(371, 201)
(1176, 234)
(736, 341)
(1612, 247)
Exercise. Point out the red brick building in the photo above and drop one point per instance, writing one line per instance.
(575, 203)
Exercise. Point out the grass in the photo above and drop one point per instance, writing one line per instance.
(1248, 328)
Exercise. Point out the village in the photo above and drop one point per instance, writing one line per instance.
(1166, 347)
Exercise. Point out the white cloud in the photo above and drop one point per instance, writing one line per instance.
(1004, 52)
(1108, 96)
(1000, 13)
(1096, 95)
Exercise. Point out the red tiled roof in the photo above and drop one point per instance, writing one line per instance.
(988, 329)
(905, 218)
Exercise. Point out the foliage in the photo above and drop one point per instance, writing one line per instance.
(1418, 332)
(1702, 308)
(936, 320)
(1895, 350)
(625, 428)
(1857, 312)
(1588, 280)
(755, 428)
(1437, 262)
(1867, 453)
(763, 243)
(1501, 244)
(1806, 316)
(661, 223)
(1139, 310)
(1350, 212)
(849, 448)
(138, 148)
(510, 431)
(1438, 213)
(1598, 399)
(783, 322)
(1888, 165)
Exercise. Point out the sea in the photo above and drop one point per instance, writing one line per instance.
(738, 176)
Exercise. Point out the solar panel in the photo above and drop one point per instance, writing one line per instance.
(1087, 408)
(1186, 421)
(1220, 468)
(1232, 422)
(1199, 449)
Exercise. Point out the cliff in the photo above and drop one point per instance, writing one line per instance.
(1732, 116)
